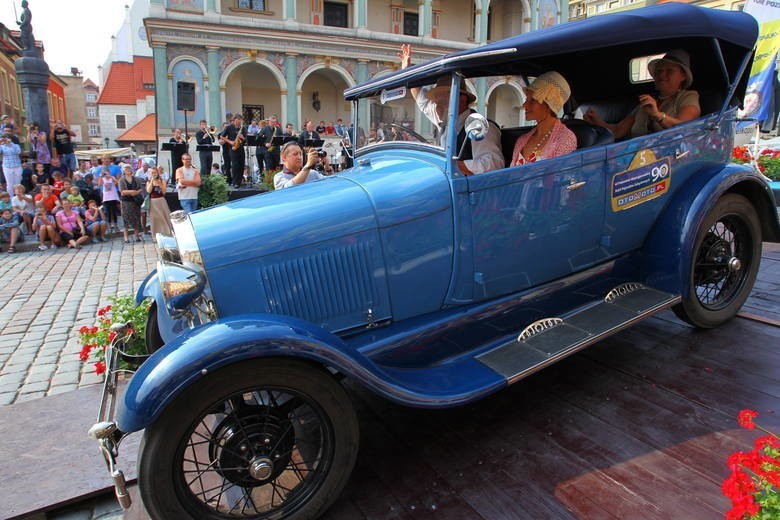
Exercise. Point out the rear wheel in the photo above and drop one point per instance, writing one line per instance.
(726, 257)
(263, 439)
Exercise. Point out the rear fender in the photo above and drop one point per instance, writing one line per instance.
(665, 257)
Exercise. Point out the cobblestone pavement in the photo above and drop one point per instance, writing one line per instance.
(46, 297)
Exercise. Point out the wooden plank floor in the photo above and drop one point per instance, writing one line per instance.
(638, 426)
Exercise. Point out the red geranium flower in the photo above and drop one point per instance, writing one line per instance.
(100, 367)
(737, 485)
(745, 418)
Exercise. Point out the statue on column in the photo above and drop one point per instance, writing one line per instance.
(25, 26)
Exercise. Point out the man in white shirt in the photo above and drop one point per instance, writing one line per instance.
(188, 184)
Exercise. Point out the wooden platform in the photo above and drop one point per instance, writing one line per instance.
(637, 426)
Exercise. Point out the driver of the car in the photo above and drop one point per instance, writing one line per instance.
(478, 156)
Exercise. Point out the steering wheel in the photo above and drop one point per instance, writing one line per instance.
(404, 134)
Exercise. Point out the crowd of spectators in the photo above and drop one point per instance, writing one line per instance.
(45, 194)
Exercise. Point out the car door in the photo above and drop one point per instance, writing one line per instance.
(642, 174)
(534, 223)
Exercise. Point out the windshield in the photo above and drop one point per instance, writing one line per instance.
(392, 116)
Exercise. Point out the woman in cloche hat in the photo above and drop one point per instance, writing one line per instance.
(544, 99)
(674, 104)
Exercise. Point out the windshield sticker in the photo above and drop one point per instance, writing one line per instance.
(646, 178)
(392, 94)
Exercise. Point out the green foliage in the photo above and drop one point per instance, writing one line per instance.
(95, 339)
(213, 191)
(770, 166)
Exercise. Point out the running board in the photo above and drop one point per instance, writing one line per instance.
(549, 340)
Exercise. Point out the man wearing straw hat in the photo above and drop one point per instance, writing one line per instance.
(478, 156)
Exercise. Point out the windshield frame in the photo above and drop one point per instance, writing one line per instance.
(361, 113)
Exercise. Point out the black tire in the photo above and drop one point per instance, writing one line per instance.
(153, 338)
(214, 452)
(725, 262)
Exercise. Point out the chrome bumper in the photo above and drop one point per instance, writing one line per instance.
(105, 431)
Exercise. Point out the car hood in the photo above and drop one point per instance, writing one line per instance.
(380, 193)
(281, 220)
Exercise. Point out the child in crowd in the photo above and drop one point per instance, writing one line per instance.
(75, 198)
(23, 206)
(44, 227)
(5, 200)
(96, 222)
(42, 177)
(9, 229)
(215, 169)
(57, 184)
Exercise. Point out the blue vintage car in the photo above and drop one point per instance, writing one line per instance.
(430, 287)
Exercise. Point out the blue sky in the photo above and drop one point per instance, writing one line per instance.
(75, 33)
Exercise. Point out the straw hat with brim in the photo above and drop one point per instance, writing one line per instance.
(551, 89)
(676, 57)
(443, 86)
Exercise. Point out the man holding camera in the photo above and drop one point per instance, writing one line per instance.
(294, 172)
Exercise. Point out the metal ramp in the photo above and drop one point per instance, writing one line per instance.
(551, 339)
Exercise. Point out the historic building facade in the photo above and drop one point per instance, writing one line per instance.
(294, 58)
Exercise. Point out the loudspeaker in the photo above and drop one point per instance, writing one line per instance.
(185, 95)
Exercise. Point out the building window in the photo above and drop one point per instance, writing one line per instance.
(91, 112)
(121, 122)
(253, 5)
(93, 130)
(336, 15)
(411, 24)
(91, 97)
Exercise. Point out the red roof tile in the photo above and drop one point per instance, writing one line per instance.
(143, 130)
(125, 82)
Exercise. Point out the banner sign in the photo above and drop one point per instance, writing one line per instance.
(761, 83)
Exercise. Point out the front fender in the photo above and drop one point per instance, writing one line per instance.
(169, 328)
(195, 353)
(666, 258)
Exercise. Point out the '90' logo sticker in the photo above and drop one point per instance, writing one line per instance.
(645, 179)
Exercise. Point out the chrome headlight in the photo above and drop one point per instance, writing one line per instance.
(185, 239)
(181, 286)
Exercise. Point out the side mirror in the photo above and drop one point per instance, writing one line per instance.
(476, 127)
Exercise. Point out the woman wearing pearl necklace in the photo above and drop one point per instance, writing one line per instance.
(545, 97)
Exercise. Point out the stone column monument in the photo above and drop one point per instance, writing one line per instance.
(32, 74)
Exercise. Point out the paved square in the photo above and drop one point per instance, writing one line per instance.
(46, 297)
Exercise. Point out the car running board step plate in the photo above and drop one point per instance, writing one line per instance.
(546, 341)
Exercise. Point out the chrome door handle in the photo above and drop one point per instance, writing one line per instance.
(575, 185)
(680, 155)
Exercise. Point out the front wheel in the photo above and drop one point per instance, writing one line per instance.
(725, 262)
(260, 439)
